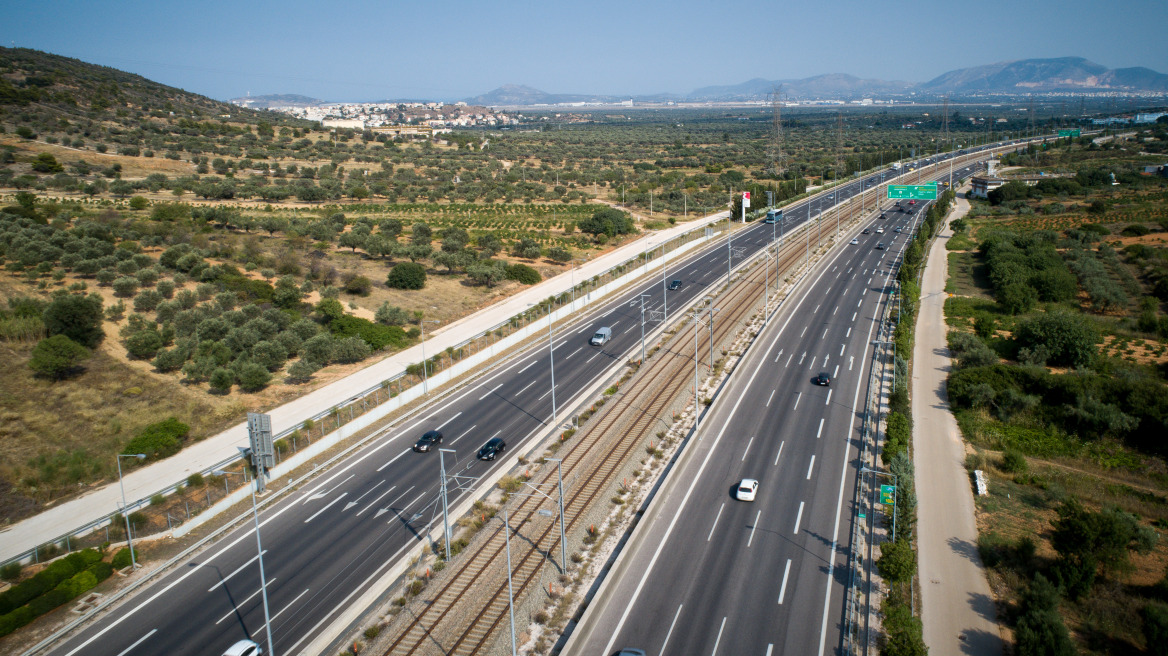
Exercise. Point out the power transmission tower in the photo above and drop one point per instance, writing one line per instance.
(776, 145)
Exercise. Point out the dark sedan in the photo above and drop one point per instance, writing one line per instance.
(492, 448)
(674, 285)
(823, 378)
(427, 441)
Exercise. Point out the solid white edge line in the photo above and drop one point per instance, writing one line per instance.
(140, 641)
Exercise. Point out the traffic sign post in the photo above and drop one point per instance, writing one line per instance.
(914, 192)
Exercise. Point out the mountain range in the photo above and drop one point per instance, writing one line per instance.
(1020, 77)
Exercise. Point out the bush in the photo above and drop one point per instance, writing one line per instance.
(1155, 616)
(1040, 630)
(1135, 230)
(77, 317)
(1014, 462)
(391, 315)
(358, 285)
(11, 571)
(350, 349)
(406, 275)
(253, 377)
(168, 360)
(143, 344)
(54, 357)
(160, 439)
(897, 561)
(1069, 338)
(221, 380)
(121, 559)
(523, 273)
(301, 371)
(125, 286)
(897, 436)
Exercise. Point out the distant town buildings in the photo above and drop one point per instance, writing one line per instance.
(436, 115)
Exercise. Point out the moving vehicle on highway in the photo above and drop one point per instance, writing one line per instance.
(492, 448)
(747, 490)
(880, 246)
(244, 648)
(855, 241)
(674, 285)
(823, 378)
(601, 336)
(427, 441)
(865, 231)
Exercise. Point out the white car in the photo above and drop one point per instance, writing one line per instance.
(244, 648)
(855, 241)
(747, 489)
(879, 231)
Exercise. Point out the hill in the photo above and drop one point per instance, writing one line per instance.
(1043, 75)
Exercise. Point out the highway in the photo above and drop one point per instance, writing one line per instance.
(326, 543)
(714, 575)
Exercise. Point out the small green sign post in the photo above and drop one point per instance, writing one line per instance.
(914, 192)
(1070, 133)
(887, 493)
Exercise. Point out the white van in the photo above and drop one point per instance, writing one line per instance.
(601, 337)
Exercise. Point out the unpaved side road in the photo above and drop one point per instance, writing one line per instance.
(957, 608)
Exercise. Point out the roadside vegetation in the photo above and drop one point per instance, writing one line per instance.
(1060, 386)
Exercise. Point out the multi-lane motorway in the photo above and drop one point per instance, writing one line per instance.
(713, 575)
(327, 542)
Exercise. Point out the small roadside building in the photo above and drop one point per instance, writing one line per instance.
(982, 185)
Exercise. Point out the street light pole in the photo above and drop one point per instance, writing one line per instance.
(260, 556)
(445, 503)
(125, 509)
(510, 588)
(664, 287)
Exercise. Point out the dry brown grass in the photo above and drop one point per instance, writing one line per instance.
(132, 167)
(57, 438)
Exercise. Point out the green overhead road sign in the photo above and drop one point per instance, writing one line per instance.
(886, 494)
(1070, 133)
(914, 192)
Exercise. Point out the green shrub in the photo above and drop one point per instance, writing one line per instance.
(55, 357)
(376, 335)
(15, 619)
(121, 559)
(11, 571)
(1014, 462)
(406, 275)
(897, 561)
(1155, 616)
(160, 439)
(523, 274)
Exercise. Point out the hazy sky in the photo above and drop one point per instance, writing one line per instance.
(376, 50)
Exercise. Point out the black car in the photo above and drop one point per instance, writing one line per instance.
(674, 285)
(880, 246)
(427, 441)
(865, 231)
(883, 215)
(492, 448)
(823, 378)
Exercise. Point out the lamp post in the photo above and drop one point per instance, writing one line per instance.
(260, 555)
(125, 509)
(698, 319)
(445, 505)
(510, 588)
(551, 361)
(642, 297)
(664, 287)
(425, 364)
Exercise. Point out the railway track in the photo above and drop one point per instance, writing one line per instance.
(439, 620)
